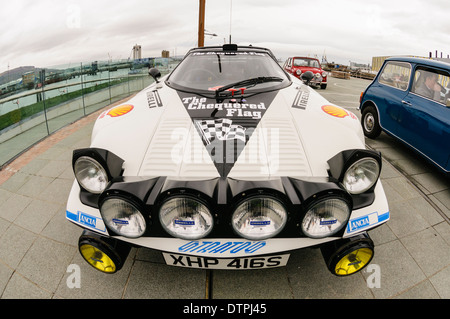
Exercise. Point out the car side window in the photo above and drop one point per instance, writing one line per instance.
(396, 74)
(432, 84)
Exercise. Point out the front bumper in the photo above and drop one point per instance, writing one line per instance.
(222, 246)
(316, 80)
(360, 220)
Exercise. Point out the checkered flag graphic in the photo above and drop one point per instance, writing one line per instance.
(221, 129)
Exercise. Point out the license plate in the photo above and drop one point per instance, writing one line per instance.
(226, 263)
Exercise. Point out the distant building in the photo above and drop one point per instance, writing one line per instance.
(28, 77)
(377, 61)
(165, 54)
(137, 52)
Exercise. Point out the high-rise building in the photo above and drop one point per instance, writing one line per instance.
(165, 54)
(137, 52)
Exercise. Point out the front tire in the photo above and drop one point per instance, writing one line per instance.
(370, 123)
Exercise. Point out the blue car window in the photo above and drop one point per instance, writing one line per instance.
(431, 84)
(396, 74)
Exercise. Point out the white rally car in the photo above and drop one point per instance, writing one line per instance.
(227, 163)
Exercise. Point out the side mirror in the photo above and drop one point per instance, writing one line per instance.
(155, 74)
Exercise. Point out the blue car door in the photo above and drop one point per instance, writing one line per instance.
(388, 93)
(424, 121)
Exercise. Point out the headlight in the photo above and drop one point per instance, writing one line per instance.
(298, 72)
(186, 218)
(326, 217)
(317, 75)
(259, 218)
(123, 217)
(324, 74)
(361, 175)
(90, 174)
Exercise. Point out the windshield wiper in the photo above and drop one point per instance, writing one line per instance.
(248, 83)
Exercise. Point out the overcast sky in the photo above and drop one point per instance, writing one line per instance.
(49, 32)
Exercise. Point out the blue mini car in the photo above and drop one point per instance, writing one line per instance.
(410, 100)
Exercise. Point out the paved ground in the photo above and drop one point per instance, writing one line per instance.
(38, 247)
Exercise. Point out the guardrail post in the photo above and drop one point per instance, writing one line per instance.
(43, 100)
(82, 89)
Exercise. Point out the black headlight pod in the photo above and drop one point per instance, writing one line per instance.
(186, 217)
(94, 168)
(325, 217)
(357, 170)
(123, 217)
(259, 218)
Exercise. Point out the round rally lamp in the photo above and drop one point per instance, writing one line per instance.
(98, 258)
(325, 217)
(123, 217)
(361, 175)
(103, 253)
(348, 256)
(185, 217)
(259, 218)
(353, 261)
(90, 174)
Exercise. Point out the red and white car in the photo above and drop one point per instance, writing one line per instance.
(299, 66)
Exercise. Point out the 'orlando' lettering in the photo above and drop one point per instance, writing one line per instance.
(218, 247)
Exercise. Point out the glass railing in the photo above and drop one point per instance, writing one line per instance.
(35, 103)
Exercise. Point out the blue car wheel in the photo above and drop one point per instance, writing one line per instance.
(369, 120)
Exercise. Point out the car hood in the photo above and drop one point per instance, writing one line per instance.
(306, 68)
(288, 132)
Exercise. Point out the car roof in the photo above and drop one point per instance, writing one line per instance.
(232, 47)
(304, 57)
(422, 61)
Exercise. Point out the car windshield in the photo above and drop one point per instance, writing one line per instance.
(209, 71)
(306, 62)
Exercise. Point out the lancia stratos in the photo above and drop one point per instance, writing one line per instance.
(228, 162)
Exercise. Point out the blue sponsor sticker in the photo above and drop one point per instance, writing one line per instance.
(184, 222)
(86, 220)
(260, 223)
(366, 221)
(219, 247)
(328, 222)
(120, 221)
